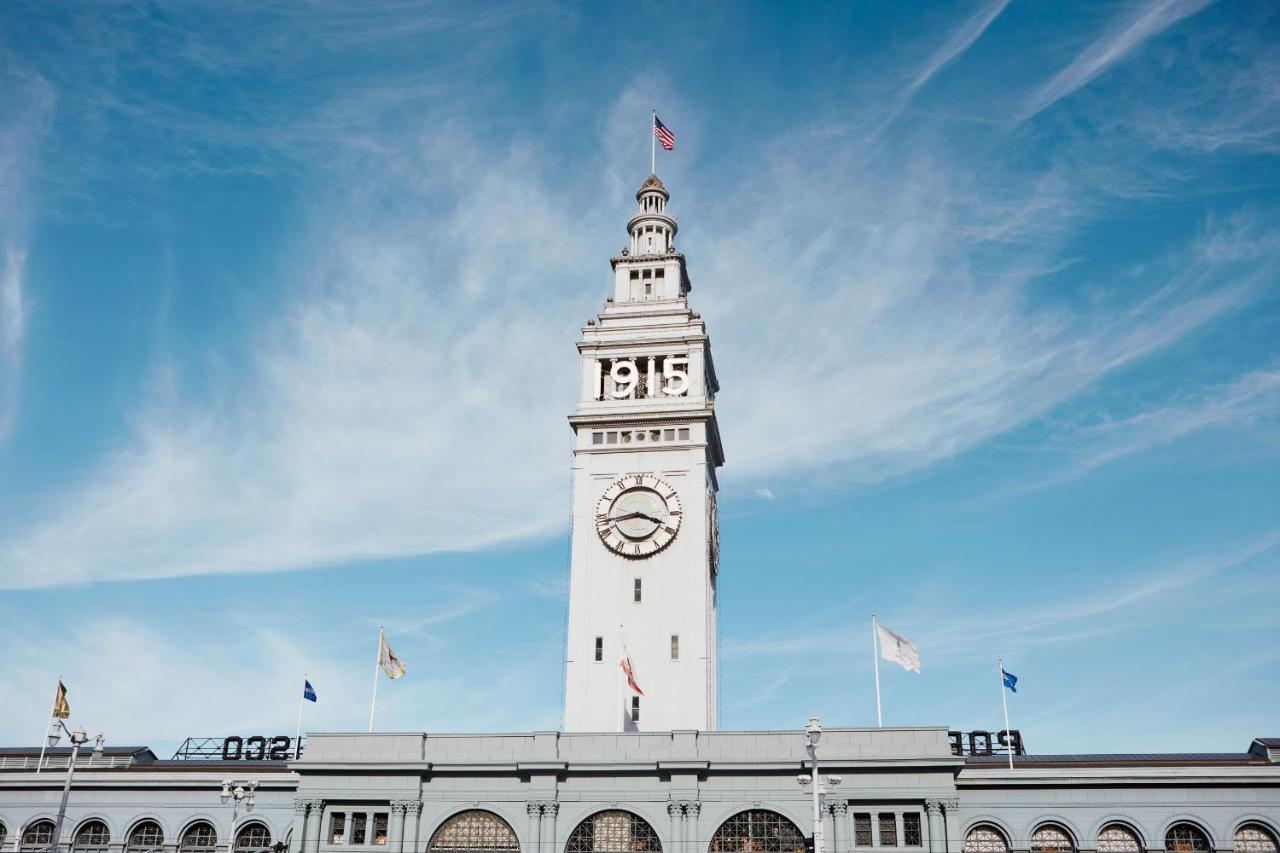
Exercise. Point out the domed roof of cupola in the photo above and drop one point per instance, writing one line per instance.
(653, 182)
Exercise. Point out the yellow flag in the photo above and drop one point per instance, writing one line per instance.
(391, 665)
(60, 707)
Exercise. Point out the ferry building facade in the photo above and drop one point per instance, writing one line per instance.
(638, 773)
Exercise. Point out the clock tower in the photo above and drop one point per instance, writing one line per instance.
(645, 550)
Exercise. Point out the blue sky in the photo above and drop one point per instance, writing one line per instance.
(289, 294)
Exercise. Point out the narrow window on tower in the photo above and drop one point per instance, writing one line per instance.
(684, 434)
(635, 709)
(637, 590)
(675, 647)
(599, 649)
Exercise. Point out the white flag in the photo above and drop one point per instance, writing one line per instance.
(391, 665)
(898, 649)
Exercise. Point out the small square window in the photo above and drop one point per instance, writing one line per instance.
(611, 438)
(380, 828)
(597, 438)
(675, 647)
(862, 830)
(684, 433)
(669, 434)
(337, 827)
(648, 273)
(635, 709)
(637, 592)
(888, 829)
(599, 649)
(660, 274)
(635, 274)
(911, 836)
(359, 828)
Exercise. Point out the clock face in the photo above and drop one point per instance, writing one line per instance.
(638, 516)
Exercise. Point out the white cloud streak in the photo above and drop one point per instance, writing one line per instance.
(959, 42)
(1148, 20)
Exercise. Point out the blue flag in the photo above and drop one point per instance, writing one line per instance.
(309, 692)
(1010, 680)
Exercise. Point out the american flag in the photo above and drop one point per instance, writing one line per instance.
(664, 134)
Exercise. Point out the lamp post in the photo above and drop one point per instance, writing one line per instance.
(78, 739)
(812, 735)
(237, 793)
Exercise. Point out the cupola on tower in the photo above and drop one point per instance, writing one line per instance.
(645, 552)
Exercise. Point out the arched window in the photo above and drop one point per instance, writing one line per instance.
(200, 837)
(38, 836)
(1186, 838)
(4, 833)
(613, 831)
(92, 837)
(757, 831)
(253, 836)
(1254, 838)
(1118, 838)
(474, 830)
(1051, 839)
(985, 839)
(145, 836)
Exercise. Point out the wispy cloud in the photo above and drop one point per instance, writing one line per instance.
(26, 111)
(959, 41)
(1148, 19)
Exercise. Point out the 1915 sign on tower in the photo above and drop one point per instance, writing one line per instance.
(645, 548)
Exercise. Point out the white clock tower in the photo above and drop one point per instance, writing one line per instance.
(645, 547)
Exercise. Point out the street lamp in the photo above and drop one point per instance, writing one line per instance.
(78, 739)
(812, 735)
(238, 793)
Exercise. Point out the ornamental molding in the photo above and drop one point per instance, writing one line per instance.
(300, 806)
(413, 807)
(838, 809)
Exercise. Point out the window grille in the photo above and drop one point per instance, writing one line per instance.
(862, 830)
(1051, 839)
(1252, 838)
(4, 833)
(145, 836)
(757, 831)
(337, 827)
(985, 839)
(38, 836)
(1186, 838)
(888, 829)
(635, 709)
(359, 828)
(1117, 838)
(474, 830)
(253, 836)
(911, 835)
(92, 837)
(200, 837)
(613, 831)
(380, 828)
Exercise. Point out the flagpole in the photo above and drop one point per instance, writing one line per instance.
(373, 703)
(44, 736)
(1004, 702)
(875, 657)
(622, 682)
(653, 144)
(297, 737)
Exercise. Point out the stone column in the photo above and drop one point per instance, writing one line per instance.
(315, 822)
(676, 838)
(937, 840)
(951, 812)
(839, 827)
(692, 815)
(299, 825)
(533, 809)
(395, 832)
(413, 813)
(550, 813)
